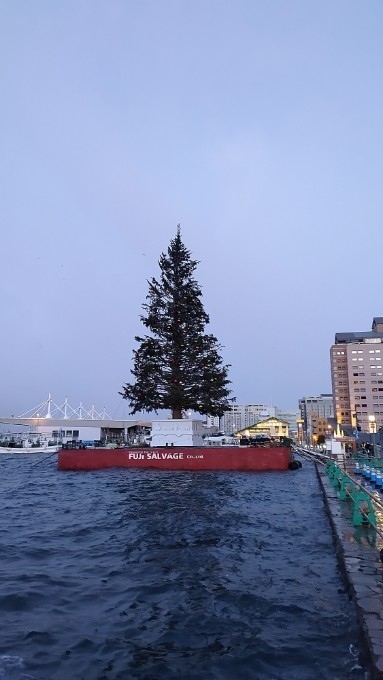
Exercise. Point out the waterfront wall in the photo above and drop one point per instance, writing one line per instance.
(358, 550)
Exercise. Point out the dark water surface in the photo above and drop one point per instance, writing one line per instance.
(160, 576)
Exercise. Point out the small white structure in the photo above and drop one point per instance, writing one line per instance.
(335, 448)
(69, 430)
(179, 432)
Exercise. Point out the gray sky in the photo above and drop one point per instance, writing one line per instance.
(255, 124)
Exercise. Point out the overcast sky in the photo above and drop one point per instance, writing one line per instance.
(256, 124)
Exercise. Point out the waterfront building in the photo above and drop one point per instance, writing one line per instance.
(62, 423)
(357, 378)
(240, 416)
(314, 411)
(272, 427)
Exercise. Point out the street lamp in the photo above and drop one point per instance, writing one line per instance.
(300, 430)
(329, 434)
(372, 430)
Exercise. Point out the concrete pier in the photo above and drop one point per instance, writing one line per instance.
(358, 549)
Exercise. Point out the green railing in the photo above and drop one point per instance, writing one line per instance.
(363, 511)
(369, 460)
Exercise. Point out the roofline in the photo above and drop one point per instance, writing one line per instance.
(73, 422)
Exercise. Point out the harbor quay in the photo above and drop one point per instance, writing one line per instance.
(358, 546)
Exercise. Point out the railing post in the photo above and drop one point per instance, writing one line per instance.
(363, 511)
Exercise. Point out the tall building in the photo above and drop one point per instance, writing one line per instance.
(357, 377)
(312, 408)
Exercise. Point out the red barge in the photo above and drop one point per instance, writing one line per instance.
(239, 458)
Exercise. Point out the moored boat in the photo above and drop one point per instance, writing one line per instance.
(32, 443)
(29, 449)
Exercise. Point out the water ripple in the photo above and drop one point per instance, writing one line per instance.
(150, 575)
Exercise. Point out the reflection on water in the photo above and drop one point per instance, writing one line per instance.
(157, 575)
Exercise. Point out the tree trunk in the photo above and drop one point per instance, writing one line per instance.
(176, 414)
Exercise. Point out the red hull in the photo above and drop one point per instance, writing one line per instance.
(178, 458)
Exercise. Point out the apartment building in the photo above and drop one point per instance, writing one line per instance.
(321, 427)
(314, 410)
(357, 377)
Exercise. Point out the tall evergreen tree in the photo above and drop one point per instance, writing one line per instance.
(178, 367)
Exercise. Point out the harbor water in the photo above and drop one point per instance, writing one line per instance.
(156, 575)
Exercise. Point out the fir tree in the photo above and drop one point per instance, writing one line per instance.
(178, 367)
